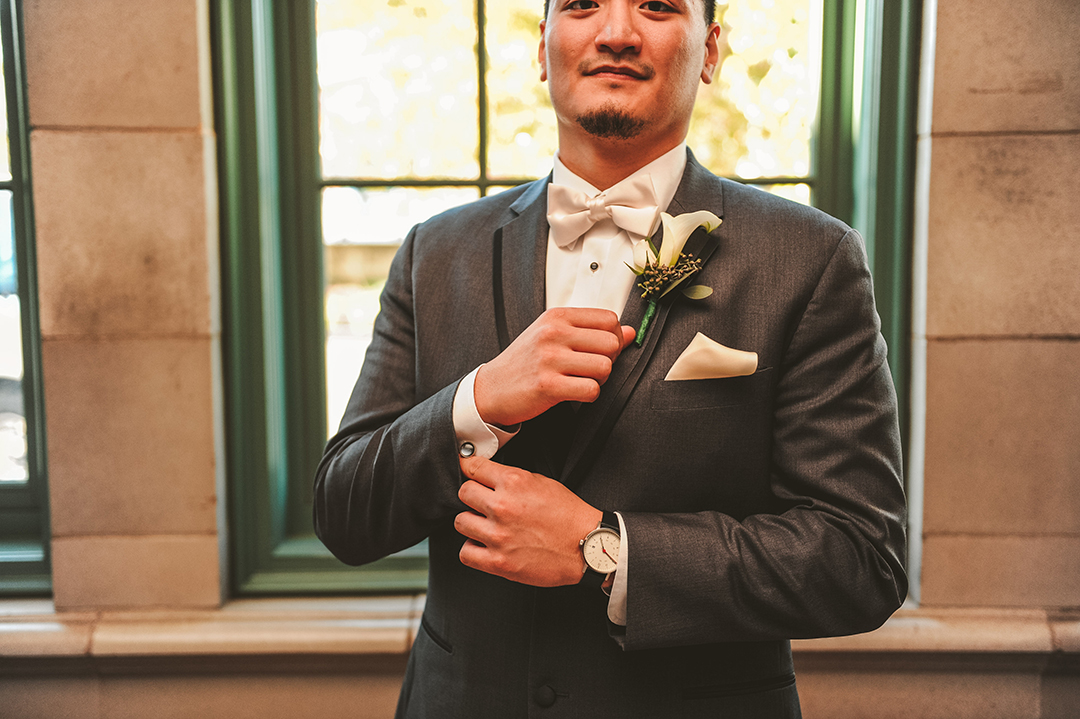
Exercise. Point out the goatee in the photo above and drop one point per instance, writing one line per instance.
(611, 123)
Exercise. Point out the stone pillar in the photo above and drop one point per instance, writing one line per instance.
(1002, 464)
(124, 183)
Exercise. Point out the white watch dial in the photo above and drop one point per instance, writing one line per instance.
(601, 550)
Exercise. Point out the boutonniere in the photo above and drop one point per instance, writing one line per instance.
(661, 271)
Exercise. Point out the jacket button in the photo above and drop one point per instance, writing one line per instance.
(544, 696)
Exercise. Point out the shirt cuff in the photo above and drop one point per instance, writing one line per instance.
(616, 608)
(470, 428)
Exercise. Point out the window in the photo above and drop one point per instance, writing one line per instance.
(397, 79)
(24, 533)
(350, 121)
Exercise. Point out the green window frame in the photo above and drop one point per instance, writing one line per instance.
(864, 161)
(267, 124)
(24, 515)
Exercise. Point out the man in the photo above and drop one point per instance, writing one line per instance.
(505, 411)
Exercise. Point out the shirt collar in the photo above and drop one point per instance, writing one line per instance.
(666, 171)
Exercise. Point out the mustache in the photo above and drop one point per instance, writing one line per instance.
(641, 72)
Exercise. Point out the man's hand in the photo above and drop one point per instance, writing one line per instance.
(565, 355)
(524, 526)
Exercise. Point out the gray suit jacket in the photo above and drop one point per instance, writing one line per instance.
(758, 509)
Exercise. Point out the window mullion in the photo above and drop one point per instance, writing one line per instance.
(301, 253)
(833, 149)
(481, 95)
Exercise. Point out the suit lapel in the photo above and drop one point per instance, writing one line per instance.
(518, 262)
(518, 267)
(699, 189)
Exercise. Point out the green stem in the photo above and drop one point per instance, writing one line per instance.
(644, 326)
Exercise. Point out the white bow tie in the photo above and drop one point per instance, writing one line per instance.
(631, 205)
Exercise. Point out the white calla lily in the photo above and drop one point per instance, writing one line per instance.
(677, 231)
(643, 255)
(640, 254)
(657, 276)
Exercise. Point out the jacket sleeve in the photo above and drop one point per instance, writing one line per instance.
(829, 563)
(390, 475)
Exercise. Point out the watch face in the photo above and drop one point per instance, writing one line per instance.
(601, 550)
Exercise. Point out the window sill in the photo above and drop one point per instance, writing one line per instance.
(374, 634)
(305, 634)
(953, 641)
(964, 630)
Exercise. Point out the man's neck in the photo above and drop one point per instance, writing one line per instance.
(604, 163)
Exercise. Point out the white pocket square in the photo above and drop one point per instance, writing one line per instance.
(704, 358)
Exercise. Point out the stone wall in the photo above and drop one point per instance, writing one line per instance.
(1002, 475)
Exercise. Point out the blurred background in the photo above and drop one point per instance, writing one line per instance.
(405, 132)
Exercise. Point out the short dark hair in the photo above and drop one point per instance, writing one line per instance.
(710, 10)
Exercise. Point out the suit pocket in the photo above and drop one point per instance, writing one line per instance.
(717, 691)
(434, 636)
(680, 395)
(432, 686)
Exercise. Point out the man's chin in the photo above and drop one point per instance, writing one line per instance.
(611, 123)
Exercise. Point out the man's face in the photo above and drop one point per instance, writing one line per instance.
(627, 68)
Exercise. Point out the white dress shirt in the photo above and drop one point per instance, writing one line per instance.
(591, 272)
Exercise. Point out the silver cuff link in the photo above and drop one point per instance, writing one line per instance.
(467, 449)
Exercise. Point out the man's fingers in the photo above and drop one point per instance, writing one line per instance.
(473, 526)
(474, 555)
(567, 375)
(594, 330)
(586, 317)
(607, 342)
(593, 340)
(476, 496)
(526, 528)
(477, 555)
(480, 469)
(593, 354)
(564, 355)
(485, 477)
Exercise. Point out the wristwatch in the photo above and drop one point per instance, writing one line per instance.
(600, 550)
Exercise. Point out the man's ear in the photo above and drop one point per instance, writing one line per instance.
(542, 54)
(712, 53)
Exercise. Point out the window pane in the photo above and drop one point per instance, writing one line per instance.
(521, 124)
(798, 193)
(398, 90)
(756, 117)
(362, 230)
(13, 466)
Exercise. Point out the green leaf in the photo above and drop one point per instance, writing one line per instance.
(697, 292)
